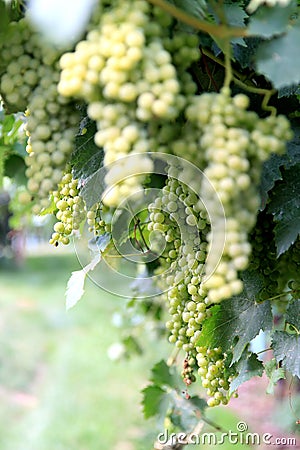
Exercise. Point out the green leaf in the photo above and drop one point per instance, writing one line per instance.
(279, 60)
(155, 401)
(272, 167)
(235, 322)
(198, 402)
(292, 315)
(286, 349)
(185, 412)
(270, 174)
(196, 8)
(274, 373)
(75, 286)
(268, 22)
(163, 375)
(87, 157)
(247, 367)
(285, 206)
(15, 168)
(288, 91)
(8, 123)
(132, 345)
(235, 14)
(93, 187)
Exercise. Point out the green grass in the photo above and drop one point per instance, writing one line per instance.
(58, 388)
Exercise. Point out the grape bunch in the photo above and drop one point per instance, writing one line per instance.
(234, 143)
(214, 378)
(132, 74)
(24, 57)
(179, 216)
(183, 221)
(29, 76)
(51, 129)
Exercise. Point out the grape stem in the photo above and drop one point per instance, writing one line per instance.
(173, 357)
(208, 71)
(281, 295)
(237, 79)
(221, 31)
(228, 69)
(265, 350)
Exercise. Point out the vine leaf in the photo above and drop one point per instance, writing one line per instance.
(285, 206)
(155, 401)
(238, 320)
(286, 349)
(75, 286)
(279, 60)
(272, 167)
(92, 188)
(292, 315)
(247, 367)
(163, 375)
(87, 157)
(163, 397)
(274, 373)
(196, 8)
(270, 174)
(268, 22)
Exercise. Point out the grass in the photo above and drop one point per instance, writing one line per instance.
(58, 388)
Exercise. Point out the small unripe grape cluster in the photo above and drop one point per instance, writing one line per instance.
(234, 143)
(211, 368)
(188, 369)
(70, 210)
(96, 219)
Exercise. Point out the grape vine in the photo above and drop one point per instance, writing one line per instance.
(187, 118)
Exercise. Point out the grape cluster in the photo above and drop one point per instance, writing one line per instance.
(51, 128)
(24, 56)
(70, 210)
(29, 76)
(96, 219)
(126, 70)
(211, 363)
(234, 143)
(182, 219)
(188, 369)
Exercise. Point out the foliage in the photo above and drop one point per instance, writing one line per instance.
(117, 112)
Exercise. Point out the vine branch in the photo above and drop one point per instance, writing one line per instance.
(239, 81)
(221, 31)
